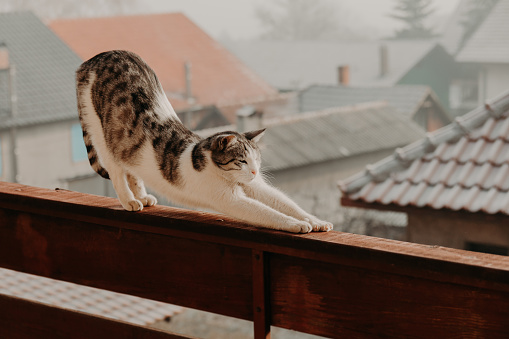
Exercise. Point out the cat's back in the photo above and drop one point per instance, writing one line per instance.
(115, 65)
(115, 79)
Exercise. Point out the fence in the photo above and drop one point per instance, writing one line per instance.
(331, 284)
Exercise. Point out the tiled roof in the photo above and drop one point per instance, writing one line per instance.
(333, 133)
(462, 166)
(299, 64)
(406, 98)
(166, 42)
(45, 69)
(490, 43)
(85, 299)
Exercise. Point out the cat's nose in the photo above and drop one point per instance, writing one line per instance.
(253, 171)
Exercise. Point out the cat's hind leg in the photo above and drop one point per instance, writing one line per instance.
(140, 193)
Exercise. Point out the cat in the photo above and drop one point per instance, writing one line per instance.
(133, 136)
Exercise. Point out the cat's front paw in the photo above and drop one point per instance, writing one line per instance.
(298, 226)
(132, 205)
(320, 225)
(148, 200)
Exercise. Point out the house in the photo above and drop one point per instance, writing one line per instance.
(453, 184)
(419, 103)
(193, 68)
(41, 145)
(280, 104)
(296, 65)
(305, 154)
(39, 127)
(487, 52)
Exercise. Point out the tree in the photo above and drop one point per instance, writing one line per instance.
(413, 13)
(301, 20)
(475, 13)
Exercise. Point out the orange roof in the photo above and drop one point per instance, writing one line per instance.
(166, 42)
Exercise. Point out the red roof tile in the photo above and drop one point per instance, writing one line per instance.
(166, 42)
(462, 166)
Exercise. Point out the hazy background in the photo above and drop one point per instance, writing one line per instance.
(236, 19)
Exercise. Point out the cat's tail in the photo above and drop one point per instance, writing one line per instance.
(93, 158)
(82, 80)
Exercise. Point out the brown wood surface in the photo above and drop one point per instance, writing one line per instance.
(24, 319)
(187, 272)
(341, 301)
(323, 283)
(261, 301)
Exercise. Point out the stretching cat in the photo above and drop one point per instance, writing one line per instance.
(133, 135)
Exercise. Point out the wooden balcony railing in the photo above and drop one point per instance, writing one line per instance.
(331, 284)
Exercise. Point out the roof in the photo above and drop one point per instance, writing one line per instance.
(85, 299)
(462, 166)
(490, 43)
(406, 98)
(299, 64)
(452, 36)
(45, 69)
(333, 133)
(166, 42)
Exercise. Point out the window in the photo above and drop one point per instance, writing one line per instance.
(486, 248)
(78, 149)
(463, 94)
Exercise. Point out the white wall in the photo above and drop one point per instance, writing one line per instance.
(494, 80)
(44, 156)
(315, 188)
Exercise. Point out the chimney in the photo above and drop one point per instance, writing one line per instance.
(384, 60)
(248, 119)
(344, 75)
(4, 56)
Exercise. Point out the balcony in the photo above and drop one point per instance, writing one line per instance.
(330, 284)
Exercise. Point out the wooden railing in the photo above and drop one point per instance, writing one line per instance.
(331, 284)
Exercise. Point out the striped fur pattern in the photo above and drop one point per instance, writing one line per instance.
(134, 137)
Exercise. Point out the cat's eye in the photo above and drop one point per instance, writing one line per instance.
(243, 161)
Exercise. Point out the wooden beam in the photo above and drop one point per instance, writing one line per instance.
(261, 298)
(340, 301)
(197, 274)
(25, 319)
(328, 284)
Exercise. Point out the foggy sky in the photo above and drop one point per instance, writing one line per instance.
(235, 18)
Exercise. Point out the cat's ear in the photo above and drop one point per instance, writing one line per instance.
(221, 142)
(255, 135)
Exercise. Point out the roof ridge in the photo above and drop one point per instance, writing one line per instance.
(324, 112)
(95, 18)
(446, 185)
(401, 157)
(302, 116)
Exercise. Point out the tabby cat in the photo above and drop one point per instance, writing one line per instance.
(133, 136)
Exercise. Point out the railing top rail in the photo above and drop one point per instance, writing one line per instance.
(320, 283)
(344, 248)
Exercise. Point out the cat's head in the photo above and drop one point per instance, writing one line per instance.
(237, 155)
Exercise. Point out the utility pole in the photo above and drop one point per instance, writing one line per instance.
(10, 70)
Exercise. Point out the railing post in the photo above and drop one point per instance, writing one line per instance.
(261, 299)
